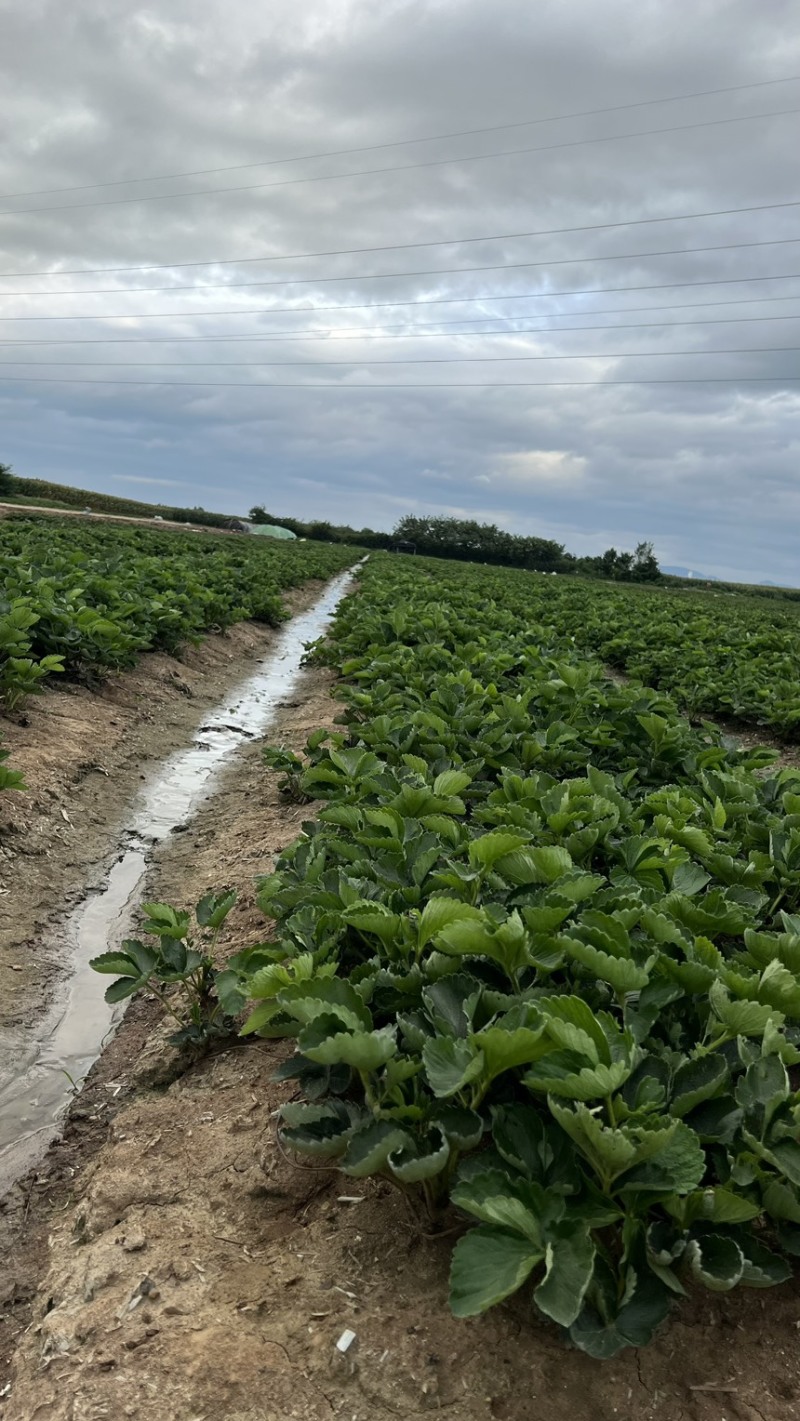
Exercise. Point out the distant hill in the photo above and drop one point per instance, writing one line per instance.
(688, 572)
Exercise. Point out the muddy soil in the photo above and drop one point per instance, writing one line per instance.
(84, 753)
(173, 1264)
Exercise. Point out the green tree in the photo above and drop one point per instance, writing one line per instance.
(644, 567)
(469, 541)
(258, 514)
(7, 481)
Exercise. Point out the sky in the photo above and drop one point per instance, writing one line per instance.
(476, 229)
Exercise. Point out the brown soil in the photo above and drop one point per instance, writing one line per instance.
(172, 1264)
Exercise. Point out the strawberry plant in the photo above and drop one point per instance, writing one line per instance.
(539, 954)
(83, 599)
(179, 967)
(9, 779)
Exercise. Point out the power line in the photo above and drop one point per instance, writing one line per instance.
(402, 142)
(401, 167)
(396, 275)
(426, 334)
(340, 386)
(426, 360)
(420, 301)
(392, 247)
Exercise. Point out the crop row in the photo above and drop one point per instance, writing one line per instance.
(715, 653)
(81, 599)
(539, 956)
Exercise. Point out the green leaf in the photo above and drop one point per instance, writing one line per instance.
(489, 1196)
(572, 1024)
(164, 919)
(230, 993)
(716, 1261)
(562, 1073)
(261, 1018)
(671, 1162)
(781, 1201)
(488, 848)
(368, 1149)
(783, 1155)
(356, 764)
(420, 1159)
(609, 1151)
(122, 988)
(463, 1129)
(451, 782)
(717, 1206)
(569, 1264)
(689, 879)
(330, 996)
(742, 1018)
(452, 1002)
(213, 909)
(696, 1081)
(328, 1043)
(439, 913)
(604, 1334)
(450, 1065)
(488, 1265)
(143, 956)
(115, 963)
(716, 1121)
(762, 1267)
(373, 918)
(536, 1147)
(504, 1049)
(763, 1087)
(549, 862)
(505, 943)
(620, 972)
(315, 1130)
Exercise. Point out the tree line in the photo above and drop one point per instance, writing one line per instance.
(438, 537)
(469, 541)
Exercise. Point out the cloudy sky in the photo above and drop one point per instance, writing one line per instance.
(404, 260)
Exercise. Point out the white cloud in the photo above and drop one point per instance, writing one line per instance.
(106, 91)
(531, 467)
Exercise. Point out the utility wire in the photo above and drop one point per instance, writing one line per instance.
(395, 246)
(418, 301)
(401, 167)
(341, 386)
(343, 336)
(426, 360)
(396, 275)
(402, 142)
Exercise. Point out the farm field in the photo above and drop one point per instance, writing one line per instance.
(716, 653)
(81, 601)
(538, 948)
(96, 597)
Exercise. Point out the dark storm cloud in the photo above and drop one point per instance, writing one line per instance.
(109, 91)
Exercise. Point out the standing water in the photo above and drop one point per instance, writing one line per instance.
(42, 1066)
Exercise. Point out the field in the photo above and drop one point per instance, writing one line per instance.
(523, 953)
(43, 493)
(81, 600)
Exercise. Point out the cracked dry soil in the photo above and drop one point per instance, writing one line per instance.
(170, 1263)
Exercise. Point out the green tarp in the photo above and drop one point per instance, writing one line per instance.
(270, 530)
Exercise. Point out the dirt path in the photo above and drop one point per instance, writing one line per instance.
(172, 1264)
